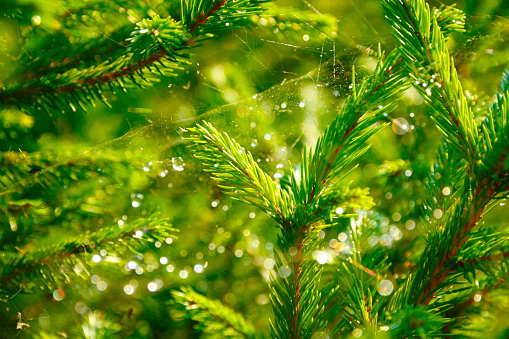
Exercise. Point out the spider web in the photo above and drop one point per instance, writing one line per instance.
(275, 124)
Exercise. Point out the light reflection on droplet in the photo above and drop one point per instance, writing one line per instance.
(477, 297)
(356, 333)
(96, 258)
(373, 240)
(183, 274)
(408, 173)
(321, 257)
(177, 164)
(284, 271)
(198, 268)
(340, 210)
(446, 191)
(342, 237)
(395, 233)
(320, 335)
(128, 289)
(252, 215)
(262, 299)
(410, 225)
(269, 263)
(438, 213)
(385, 287)
(239, 253)
(58, 294)
(152, 286)
(36, 20)
(163, 260)
(102, 285)
(170, 268)
(386, 240)
(400, 126)
(80, 307)
(220, 249)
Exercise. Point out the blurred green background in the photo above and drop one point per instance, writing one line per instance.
(273, 86)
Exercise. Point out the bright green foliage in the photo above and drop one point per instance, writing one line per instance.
(93, 230)
(156, 46)
(299, 207)
(212, 316)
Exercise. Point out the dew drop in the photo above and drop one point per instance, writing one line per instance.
(58, 294)
(284, 271)
(356, 333)
(320, 335)
(438, 213)
(321, 257)
(503, 202)
(177, 164)
(400, 126)
(385, 287)
(410, 225)
(36, 20)
(254, 143)
(446, 191)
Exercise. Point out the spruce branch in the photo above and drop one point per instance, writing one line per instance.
(343, 141)
(428, 62)
(212, 316)
(29, 268)
(422, 45)
(239, 174)
(156, 47)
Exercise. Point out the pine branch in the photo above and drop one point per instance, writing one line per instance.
(28, 268)
(343, 141)
(429, 64)
(239, 174)
(422, 45)
(155, 47)
(212, 316)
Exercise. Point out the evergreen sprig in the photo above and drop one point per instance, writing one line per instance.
(454, 214)
(211, 316)
(302, 204)
(422, 45)
(34, 267)
(156, 47)
(239, 174)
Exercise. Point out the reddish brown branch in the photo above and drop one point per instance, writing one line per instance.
(110, 76)
(443, 269)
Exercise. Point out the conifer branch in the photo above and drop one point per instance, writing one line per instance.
(23, 266)
(422, 45)
(155, 47)
(428, 62)
(212, 316)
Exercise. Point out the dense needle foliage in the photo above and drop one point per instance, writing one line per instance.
(251, 168)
